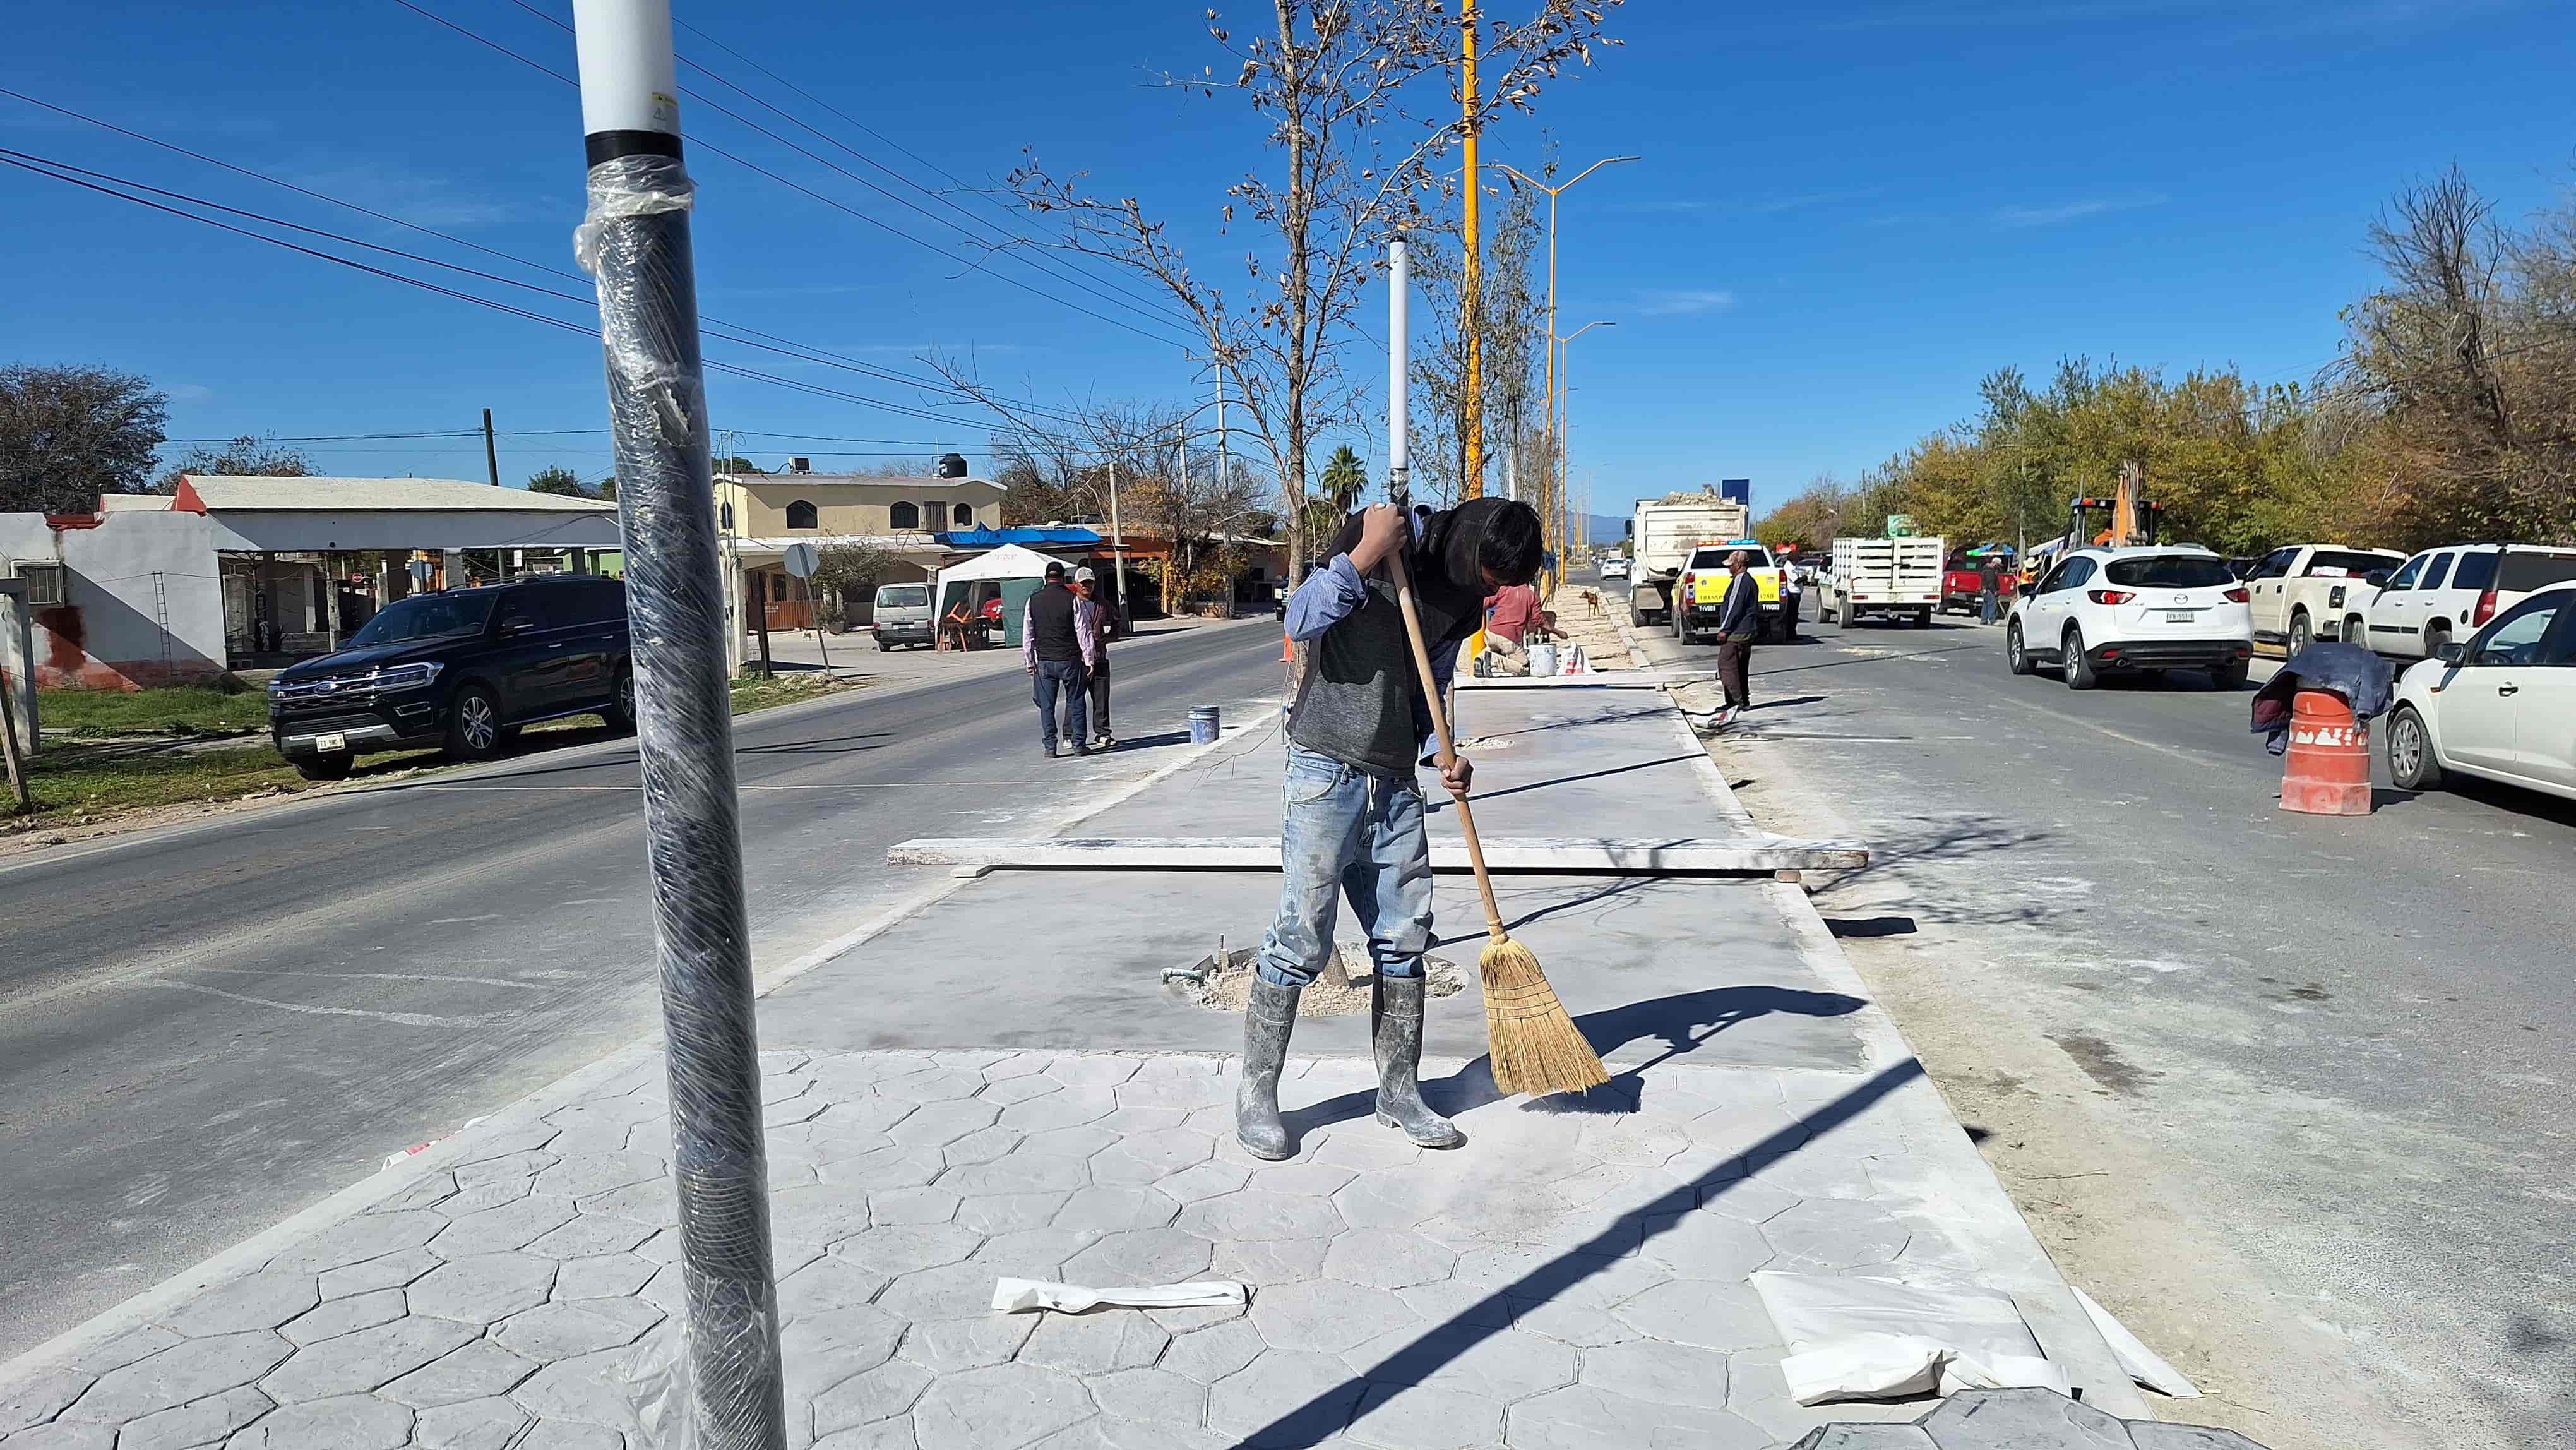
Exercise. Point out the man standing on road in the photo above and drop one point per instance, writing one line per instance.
(1739, 619)
(1990, 589)
(1086, 585)
(1354, 813)
(1057, 641)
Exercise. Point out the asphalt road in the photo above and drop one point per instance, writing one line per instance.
(2317, 1138)
(203, 1030)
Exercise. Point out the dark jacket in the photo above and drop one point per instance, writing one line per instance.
(1741, 613)
(1050, 623)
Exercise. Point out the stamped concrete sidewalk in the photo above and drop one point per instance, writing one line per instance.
(1000, 1085)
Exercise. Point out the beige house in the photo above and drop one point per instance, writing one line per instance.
(760, 514)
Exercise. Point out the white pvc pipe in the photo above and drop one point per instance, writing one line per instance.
(629, 77)
(1398, 284)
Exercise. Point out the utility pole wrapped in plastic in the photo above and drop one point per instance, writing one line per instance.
(634, 239)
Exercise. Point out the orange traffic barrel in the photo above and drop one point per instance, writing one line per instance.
(2327, 770)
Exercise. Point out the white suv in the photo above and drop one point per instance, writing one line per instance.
(2152, 608)
(2450, 593)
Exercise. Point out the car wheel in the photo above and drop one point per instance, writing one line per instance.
(882, 646)
(474, 728)
(2355, 631)
(2410, 752)
(2080, 674)
(620, 713)
(2016, 658)
(325, 767)
(2301, 636)
(2230, 677)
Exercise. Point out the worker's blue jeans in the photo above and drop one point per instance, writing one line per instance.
(1348, 832)
(1065, 678)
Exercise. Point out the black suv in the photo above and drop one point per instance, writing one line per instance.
(462, 669)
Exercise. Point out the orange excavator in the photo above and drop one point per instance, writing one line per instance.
(2129, 519)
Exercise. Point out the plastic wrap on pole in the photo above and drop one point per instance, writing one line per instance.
(635, 241)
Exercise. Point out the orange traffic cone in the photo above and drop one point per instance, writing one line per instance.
(2327, 771)
(1287, 647)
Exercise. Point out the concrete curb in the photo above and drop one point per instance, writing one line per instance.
(259, 1248)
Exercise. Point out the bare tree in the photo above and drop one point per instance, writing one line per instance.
(69, 434)
(1349, 165)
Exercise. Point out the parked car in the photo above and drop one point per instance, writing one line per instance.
(2445, 593)
(2501, 707)
(904, 616)
(1614, 567)
(2147, 608)
(1963, 582)
(464, 670)
(2304, 592)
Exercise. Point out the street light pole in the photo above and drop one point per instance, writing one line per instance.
(1555, 488)
(635, 240)
(1564, 471)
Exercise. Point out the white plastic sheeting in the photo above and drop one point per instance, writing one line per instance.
(1017, 1296)
(2136, 1360)
(1879, 1339)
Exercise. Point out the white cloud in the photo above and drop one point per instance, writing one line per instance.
(190, 393)
(1684, 303)
(2074, 211)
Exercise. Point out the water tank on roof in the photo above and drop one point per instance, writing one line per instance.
(952, 465)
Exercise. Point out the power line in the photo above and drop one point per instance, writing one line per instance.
(1115, 295)
(12, 159)
(791, 350)
(803, 351)
(880, 224)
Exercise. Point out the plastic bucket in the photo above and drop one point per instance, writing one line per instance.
(1542, 659)
(1203, 724)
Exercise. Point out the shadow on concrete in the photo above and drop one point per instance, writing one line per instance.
(1681, 1023)
(1785, 704)
(819, 745)
(1437, 806)
(1328, 1413)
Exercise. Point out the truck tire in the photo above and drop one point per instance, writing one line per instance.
(2302, 633)
(1923, 619)
(2356, 632)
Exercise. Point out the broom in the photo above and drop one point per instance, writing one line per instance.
(1535, 1047)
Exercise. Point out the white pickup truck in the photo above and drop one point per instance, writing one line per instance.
(1883, 576)
(2301, 593)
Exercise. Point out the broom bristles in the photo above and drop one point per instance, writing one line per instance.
(1536, 1048)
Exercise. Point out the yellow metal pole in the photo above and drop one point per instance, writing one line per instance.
(1471, 303)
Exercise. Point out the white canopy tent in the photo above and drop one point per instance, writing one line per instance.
(1002, 566)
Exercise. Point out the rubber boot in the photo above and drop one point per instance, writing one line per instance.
(1269, 1015)
(1395, 1024)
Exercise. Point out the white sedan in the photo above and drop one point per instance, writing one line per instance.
(1615, 567)
(2502, 706)
(2145, 608)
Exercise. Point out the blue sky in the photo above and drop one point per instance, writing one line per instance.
(1846, 212)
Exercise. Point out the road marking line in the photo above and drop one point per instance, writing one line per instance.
(405, 1019)
(374, 977)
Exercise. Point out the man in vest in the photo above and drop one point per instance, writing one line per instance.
(1057, 633)
(1354, 811)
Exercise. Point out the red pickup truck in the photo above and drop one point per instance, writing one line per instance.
(1963, 583)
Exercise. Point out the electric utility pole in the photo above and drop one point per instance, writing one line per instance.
(1471, 286)
(491, 459)
(635, 241)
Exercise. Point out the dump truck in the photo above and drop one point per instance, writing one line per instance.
(1663, 534)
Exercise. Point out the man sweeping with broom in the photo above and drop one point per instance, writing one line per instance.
(1354, 823)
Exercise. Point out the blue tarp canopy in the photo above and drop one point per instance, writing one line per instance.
(1026, 538)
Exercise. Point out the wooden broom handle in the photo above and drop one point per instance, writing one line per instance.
(1440, 728)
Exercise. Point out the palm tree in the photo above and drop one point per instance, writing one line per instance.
(1343, 480)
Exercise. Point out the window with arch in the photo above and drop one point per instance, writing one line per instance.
(727, 511)
(964, 515)
(906, 516)
(802, 515)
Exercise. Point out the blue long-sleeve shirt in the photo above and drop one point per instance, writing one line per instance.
(1335, 592)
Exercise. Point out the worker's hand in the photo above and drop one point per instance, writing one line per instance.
(1033, 670)
(1459, 775)
(1382, 527)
